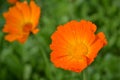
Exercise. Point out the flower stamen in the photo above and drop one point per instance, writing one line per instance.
(27, 27)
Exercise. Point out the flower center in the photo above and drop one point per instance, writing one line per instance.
(78, 50)
(27, 27)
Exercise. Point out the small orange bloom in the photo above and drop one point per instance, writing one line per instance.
(12, 1)
(21, 19)
(75, 45)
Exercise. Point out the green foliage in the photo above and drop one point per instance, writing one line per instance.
(30, 61)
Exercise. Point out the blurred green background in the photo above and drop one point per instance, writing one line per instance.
(30, 61)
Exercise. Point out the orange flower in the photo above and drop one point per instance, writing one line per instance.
(75, 45)
(12, 1)
(21, 19)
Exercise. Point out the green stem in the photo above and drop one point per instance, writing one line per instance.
(48, 72)
(84, 75)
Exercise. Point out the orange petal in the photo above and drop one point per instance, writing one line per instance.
(35, 13)
(13, 15)
(35, 31)
(25, 10)
(68, 63)
(23, 38)
(99, 42)
(89, 25)
(11, 37)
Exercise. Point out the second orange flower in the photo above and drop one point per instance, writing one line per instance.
(21, 20)
(75, 45)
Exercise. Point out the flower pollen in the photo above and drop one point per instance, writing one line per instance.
(78, 50)
(27, 27)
